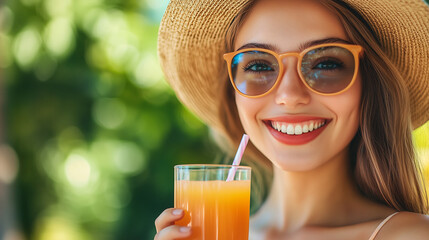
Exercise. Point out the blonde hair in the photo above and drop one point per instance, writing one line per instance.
(382, 152)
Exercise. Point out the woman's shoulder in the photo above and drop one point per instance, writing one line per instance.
(401, 226)
(406, 225)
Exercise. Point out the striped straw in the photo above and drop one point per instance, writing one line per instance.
(238, 156)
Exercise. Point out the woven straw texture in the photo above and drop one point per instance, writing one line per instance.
(191, 43)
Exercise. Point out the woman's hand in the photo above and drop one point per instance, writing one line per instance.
(165, 227)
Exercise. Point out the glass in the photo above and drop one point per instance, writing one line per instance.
(216, 209)
(326, 69)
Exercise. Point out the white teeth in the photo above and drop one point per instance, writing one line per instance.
(283, 128)
(290, 129)
(305, 129)
(297, 128)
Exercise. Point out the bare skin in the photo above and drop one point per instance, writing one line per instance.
(313, 195)
(165, 227)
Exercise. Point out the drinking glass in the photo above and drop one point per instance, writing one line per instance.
(216, 207)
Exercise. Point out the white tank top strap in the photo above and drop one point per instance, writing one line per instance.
(374, 234)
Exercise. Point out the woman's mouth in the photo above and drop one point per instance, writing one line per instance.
(296, 130)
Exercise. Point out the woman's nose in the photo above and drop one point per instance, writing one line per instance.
(291, 91)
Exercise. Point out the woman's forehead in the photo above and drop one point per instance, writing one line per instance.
(287, 24)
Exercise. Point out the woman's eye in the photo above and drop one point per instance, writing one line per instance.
(328, 65)
(258, 67)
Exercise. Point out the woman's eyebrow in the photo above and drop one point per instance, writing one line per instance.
(259, 45)
(322, 41)
(301, 47)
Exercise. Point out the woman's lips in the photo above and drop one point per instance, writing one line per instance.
(296, 130)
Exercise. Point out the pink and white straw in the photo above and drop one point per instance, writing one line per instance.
(238, 156)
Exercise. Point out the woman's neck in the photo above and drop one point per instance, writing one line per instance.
(326, 196)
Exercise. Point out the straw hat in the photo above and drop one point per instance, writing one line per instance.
(192, 41)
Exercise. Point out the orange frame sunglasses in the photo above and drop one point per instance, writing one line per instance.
(356, 50)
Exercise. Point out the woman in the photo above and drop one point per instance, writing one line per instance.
(328, 91)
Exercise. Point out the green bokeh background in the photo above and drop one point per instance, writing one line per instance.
(94, 126)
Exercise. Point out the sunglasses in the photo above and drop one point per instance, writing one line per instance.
(326, 69)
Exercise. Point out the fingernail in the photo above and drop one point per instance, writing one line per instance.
(184, 229)
(177, 211)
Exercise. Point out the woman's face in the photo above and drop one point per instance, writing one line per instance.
(286, 25)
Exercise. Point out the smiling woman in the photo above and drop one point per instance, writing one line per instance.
(329, 98)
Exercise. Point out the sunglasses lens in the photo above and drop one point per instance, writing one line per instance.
(254, 72)
(328, 69)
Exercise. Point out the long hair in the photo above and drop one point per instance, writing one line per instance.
(382, 153)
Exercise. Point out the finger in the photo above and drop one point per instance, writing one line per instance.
(173, 232)
(168, 217)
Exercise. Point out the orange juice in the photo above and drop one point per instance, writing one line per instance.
(216, 209)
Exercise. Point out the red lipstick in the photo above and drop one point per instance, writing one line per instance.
(291, 139)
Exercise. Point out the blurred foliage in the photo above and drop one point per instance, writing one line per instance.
(96, 128)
